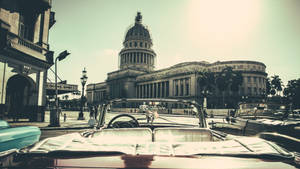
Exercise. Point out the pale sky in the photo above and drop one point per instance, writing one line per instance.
(92, 31)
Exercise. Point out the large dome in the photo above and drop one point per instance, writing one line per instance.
(138, 31)
(137, 52)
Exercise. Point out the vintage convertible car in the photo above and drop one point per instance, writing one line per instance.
(170, 141)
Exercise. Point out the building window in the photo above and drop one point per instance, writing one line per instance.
(142, 57)
(163, 89)
(134, 59)
(176, 87)
(146, 45)
(254, 79)
(26, 27)
(130, 44)
(138, 58)
(158, 88)
(181, 88)
(242, 91)
(141, 44)
(249, 91)
(187, 88)
(167, 89)
(135, 44)
(154, 86)
(249, 79)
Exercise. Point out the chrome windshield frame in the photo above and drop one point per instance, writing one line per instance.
(104, 108)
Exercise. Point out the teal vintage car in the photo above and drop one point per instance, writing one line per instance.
(17, 137)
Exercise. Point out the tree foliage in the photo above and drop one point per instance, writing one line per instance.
(292, 91)
(226, 80)
(276, 85)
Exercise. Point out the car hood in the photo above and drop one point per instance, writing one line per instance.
(75, 142)
(75, 151)
(154, 161)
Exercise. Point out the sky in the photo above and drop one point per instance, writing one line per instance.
(92, 31)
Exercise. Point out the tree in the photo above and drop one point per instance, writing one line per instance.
(237, 81)
(292, 91)
(229, 80)
(268, 86)
(207, 83)
(276, 85)
(66, 97)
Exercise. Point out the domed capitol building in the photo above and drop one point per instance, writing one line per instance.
(137, 77)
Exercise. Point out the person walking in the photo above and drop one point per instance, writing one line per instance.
(91, 112)
(96, 111)
(65, 117)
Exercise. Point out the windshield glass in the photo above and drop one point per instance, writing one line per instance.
(150, 112)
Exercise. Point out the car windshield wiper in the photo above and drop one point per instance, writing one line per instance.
(68, 153)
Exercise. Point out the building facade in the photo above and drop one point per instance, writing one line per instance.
(136, 77)
(24, 57)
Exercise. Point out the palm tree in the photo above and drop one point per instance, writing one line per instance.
(268, 86)
(207, 83)
(229, 80)
(292, 92)
(276, 83)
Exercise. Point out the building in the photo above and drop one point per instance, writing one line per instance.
(137, 78)
(24, 57)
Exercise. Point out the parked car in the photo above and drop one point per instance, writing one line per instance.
(128, 141)
(13, 138)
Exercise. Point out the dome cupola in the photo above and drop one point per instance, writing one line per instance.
(137, 52)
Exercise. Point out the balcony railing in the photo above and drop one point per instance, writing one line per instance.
(30, 45)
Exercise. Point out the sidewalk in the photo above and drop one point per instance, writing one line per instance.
(71, 122)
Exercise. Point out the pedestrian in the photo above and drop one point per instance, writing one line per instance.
(92, 112)
(211, 114)
(65, 117)
(96, 111)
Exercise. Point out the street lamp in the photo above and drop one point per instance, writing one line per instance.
(54, 114)
(83, 80)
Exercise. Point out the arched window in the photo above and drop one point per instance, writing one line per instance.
(135, 44)
(141, 44)
(130, 44)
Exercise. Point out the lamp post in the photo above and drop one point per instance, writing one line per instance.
(54, 114)
(83, 80)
